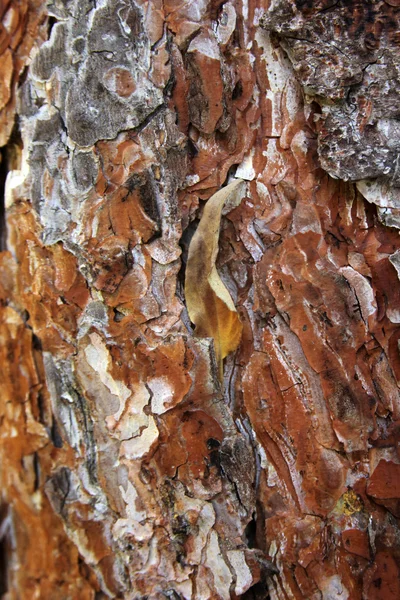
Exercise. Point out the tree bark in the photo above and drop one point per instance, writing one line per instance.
(128, 468)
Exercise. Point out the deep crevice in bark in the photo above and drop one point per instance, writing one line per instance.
(4, 549)
(3, 176)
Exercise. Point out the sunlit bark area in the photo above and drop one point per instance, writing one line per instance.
(137, 461)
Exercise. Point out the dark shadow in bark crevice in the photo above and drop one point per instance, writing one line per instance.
(4, 548)
(3, 176)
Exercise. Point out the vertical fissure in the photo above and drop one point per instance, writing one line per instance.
(3, 177)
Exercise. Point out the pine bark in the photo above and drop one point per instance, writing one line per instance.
(128, 469)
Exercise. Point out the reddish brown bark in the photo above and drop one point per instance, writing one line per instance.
(127, 469)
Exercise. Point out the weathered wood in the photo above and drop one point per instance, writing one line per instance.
(127, 470)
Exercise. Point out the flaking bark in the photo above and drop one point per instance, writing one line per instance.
(126, 469)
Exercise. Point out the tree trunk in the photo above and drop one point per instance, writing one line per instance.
(130, 468)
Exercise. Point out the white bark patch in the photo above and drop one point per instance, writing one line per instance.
(99, 359)
(293, 100)
(14, 181)
(135, 523)
(363, 291)
(300, 142)
(185, 588)
(263, 456)
(163, 393)
(226, 23)
(246, 170)
(133, 419)
(138, 429)
(205, 520)
(276, 168)
(395, 260)
(218, 567)
(333, 589)
(253, 243)
(263, 192)
(272, 476)
(140, 445)
(163, 251)
(206, 44)
(278, 70)
(389, 216)
(379, 192)
(244, 577)
(94, 316)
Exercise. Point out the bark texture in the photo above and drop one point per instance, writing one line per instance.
(127, 469)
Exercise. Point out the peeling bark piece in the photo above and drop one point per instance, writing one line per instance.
(385, 480)
(209, 303)
(205, 98)
(356, 542)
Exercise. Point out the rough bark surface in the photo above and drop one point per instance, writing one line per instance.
(127, 469)
(346, 55)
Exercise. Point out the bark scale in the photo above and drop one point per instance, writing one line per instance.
(127, 469)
